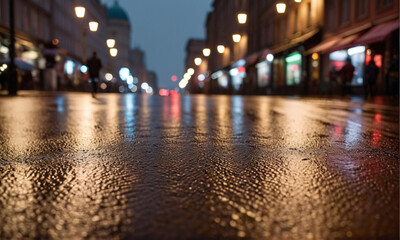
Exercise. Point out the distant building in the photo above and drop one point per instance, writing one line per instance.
(119, 28)
(152, 80)
(302, 49)
(194, 49)
(140, 71)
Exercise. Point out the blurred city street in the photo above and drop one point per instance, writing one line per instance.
(197, 167)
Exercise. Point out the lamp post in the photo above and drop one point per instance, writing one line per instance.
(242, 18)
(206, 52)
(281, 7)
(80, 12)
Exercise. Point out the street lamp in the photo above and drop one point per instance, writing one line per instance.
(206, 52)
(93, 26)
(281, 7)
(242, 18)
(110, 43)
(236, 38)
(80, 11)
(190, 71)
(221, 48)
(198, 61)
(113, 52)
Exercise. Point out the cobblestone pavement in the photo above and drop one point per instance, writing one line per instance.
(197, 167)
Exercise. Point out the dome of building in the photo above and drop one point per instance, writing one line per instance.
(116, 12)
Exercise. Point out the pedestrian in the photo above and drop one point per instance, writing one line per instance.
(370, 76)
(393, 76)
(347, 74)
(94, 66)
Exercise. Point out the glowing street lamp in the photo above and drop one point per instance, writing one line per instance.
(190, 71)
(198, 61)
(221, 48)
(93, 26)
(110, 43)
(206, 52)
(113, 52)
(281, 7)
(242, 18)
(236, 38)
(80, 11)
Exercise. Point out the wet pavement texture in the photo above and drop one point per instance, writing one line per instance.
(197, 167)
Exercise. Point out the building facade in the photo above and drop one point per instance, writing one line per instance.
(302, 49)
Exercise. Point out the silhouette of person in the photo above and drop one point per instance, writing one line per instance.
(94, 66)
(347, 73)
(370, 76)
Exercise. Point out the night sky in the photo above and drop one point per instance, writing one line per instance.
(161, 29)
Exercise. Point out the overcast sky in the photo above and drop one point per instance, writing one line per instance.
(161, 29)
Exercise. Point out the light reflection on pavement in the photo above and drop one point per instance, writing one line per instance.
(197, 167)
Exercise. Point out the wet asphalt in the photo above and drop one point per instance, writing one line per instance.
(197, 167)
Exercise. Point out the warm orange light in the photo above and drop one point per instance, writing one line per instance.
(242, 18)
(206, 52)
(315, 56)
(236, 38)
(110, 43)
(281, 7)
(221, 48)
(113, 52)
(93, 26)
(198, 61)
(80, 11)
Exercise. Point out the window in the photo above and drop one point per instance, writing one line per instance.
(309, 14)
(345, 11)
(362, 8)
(383, 4)
(331, 15)
(296, 19)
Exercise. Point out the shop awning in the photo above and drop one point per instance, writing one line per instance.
(324, 46)
(251, 59)
(294, 42)
(378, 33)
(264, 54)
(345, 43)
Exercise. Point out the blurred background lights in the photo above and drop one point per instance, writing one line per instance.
(197, 61)
(221, 48)
(103, 86)
(206, 52)
(110, 43)
(113, 52)
(84, 69)
(108, 76)
(174, 78)
(201, 77)
(236, 38)
(93, 26)
(144, 85)
(129, 80)
(124, 73)
(135, 80)
(134, 88)
(187, 76)
(80, 11)
(242, 18)
(69, 67)
(270, 57)
(190, 71)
